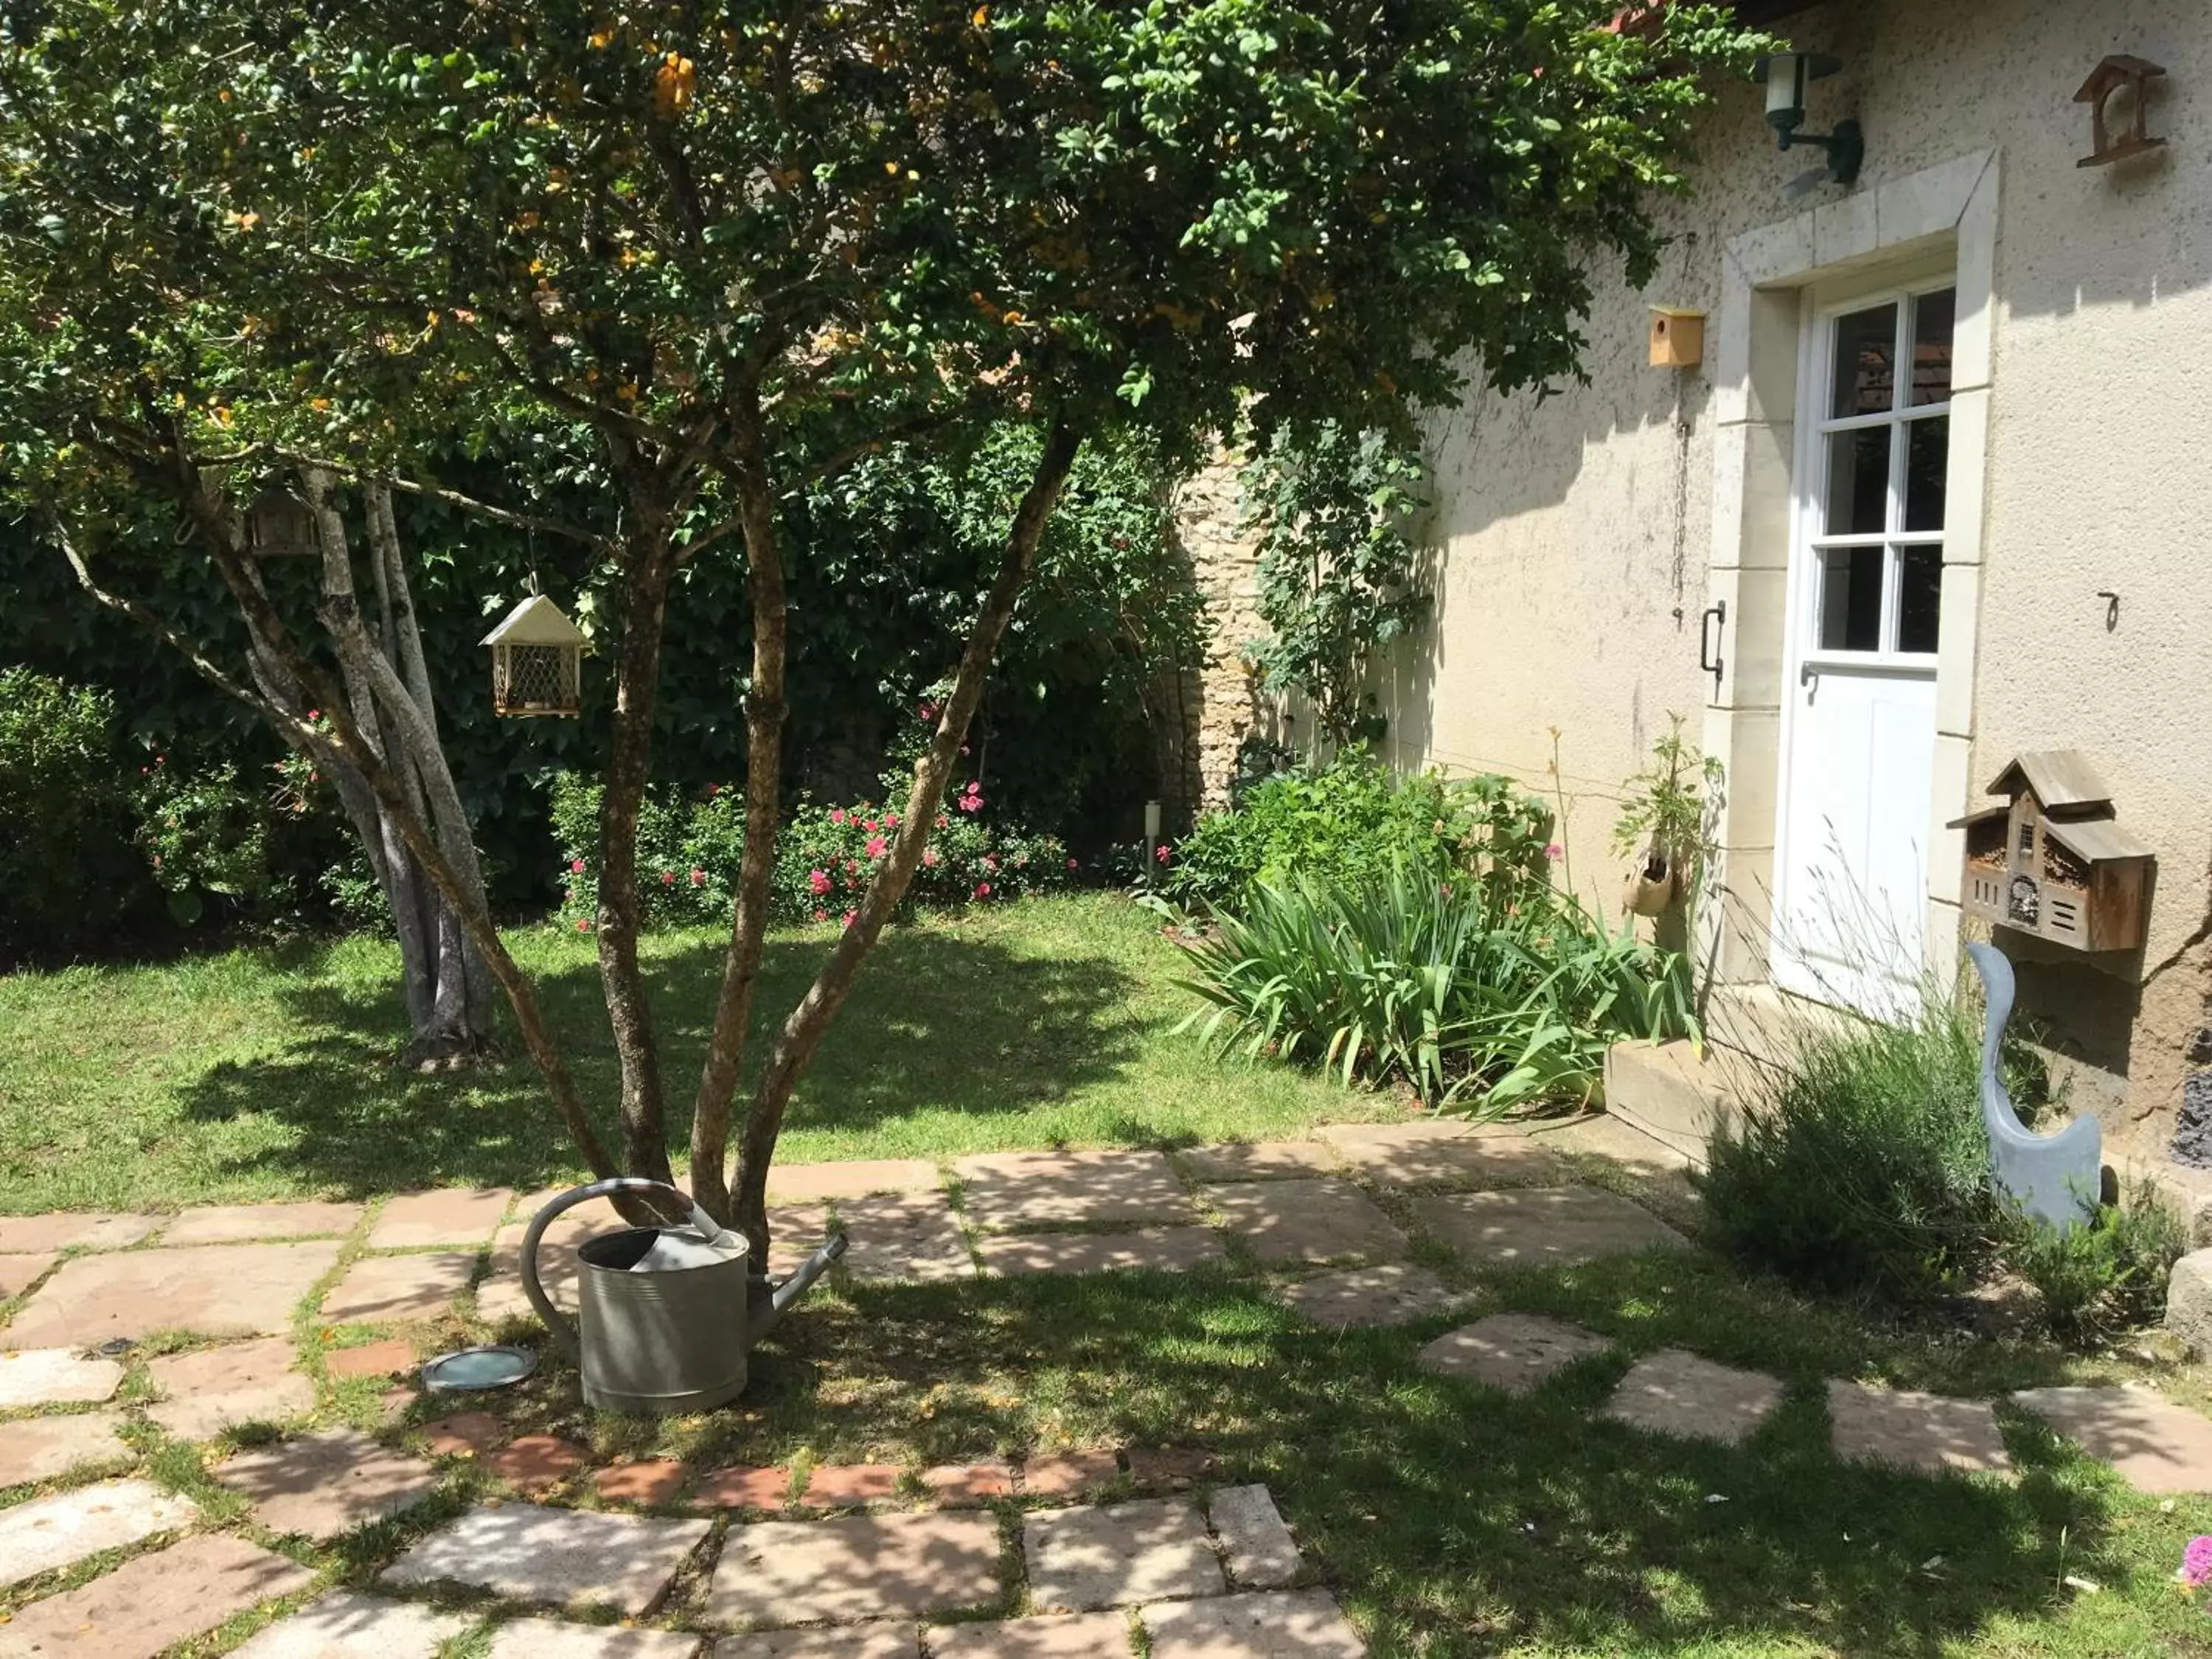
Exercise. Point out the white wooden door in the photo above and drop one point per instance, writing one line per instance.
(1865, 620)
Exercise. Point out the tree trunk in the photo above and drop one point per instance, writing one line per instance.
(803, 1028)
(765, 713)
(637, 685)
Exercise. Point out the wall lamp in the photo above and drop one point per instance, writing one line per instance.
(1785, 74)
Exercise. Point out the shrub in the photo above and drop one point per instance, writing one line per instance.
(1867, 1168)
(203, 834)
(688, 851)
(2106, 1277)
(1435, 983)
(64, 819)
(1354, 822)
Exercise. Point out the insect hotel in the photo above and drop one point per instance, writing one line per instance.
(536, 661)
(2052, 861)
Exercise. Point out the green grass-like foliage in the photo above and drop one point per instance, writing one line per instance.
(1435, 983)
(1867, 1168)
(2107, 1277)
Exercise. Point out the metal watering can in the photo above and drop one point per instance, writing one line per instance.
(665, 1316)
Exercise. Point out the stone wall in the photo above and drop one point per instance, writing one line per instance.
(1220, 705)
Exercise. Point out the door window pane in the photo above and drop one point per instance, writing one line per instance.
(1850, 598)
(1931, 346)
(1866, 372)
(1919, 597)
(1927, 450)
(1858, 480)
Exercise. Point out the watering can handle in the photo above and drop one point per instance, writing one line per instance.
(562, 1327)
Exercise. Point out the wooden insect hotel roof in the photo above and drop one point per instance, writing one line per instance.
(2063, 780)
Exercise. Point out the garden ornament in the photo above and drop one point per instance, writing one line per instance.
(2056, 1178)
(665, 1316)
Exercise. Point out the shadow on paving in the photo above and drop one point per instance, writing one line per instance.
(1450, 1518)
(938, 1021)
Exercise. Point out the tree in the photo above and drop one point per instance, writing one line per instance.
(710, 254)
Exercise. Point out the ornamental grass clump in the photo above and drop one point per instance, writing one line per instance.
(1436, 985)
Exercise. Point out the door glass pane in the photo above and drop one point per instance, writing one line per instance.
(1927, 448)
(1850, 598)
(1858, 480)
(1919, 597)
(1866, 373)
(1931, 346)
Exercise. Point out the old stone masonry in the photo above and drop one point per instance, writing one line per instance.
(267, 1338)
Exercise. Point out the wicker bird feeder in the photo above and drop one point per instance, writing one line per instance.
(536, 661)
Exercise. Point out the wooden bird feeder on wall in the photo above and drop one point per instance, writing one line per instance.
(2051, 861)
(536, 661)
(2119, 73)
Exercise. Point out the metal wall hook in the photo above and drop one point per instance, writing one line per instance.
(2112, 608)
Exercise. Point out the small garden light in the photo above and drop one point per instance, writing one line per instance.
(1785, 74)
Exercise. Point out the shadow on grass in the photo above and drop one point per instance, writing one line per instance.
(938, 1021)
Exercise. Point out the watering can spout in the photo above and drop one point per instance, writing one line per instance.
(767, 1314)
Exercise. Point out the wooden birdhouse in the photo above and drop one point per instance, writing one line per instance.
(278, 525)
(536, 661)
(2052, 861)
(2119, 73)
(1678, 337)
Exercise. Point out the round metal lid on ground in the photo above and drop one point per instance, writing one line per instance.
(466, 1369)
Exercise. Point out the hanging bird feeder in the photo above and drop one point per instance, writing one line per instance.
(536, 661)
(278, 525)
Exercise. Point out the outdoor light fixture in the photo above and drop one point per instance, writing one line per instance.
(1785, 74)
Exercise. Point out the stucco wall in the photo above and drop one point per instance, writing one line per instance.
(1576, 531)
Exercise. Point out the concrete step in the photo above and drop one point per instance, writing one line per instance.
(1673, 1092)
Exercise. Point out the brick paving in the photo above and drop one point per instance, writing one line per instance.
(742, 1487)
(536, 1462)
(1069, 1474)
(650, 1485)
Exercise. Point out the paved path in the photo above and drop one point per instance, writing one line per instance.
(1116, 1549)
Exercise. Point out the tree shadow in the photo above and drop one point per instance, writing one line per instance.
(938, 1022)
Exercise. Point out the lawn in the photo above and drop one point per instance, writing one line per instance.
(263, 1073)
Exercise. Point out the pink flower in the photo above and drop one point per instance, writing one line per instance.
(2196, 1562)
(1161, 853)
(1071, 864)
(929, 857)
(836, 815)
(714, 789)
(667, 877)
(314, 713)
(1555, 851)
(971, 802)
(577, 866)
(821, 915)
(928, 711)
(871, 826)
(942, 820)
(876, 846)
(983, 889)
(891, 820)
(990, 861)
(583, 924)
(819, 880)
(698, 878)
(849, 915)
(852, 866)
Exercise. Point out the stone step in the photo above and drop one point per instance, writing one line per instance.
(1672, 1092)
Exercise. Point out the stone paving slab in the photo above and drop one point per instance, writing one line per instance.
(552, 1639)
(1392, 1293)
(72, 1229)
(529, 1553)
(794, 1232)
(1170, 1468)
(1296, 1625)
(1156, 1248)
(232, 1224)
(391, 1289)
(41, 1448)
(217, 1389)
(55, 1377)
(216, 1290)
(154, 1602)
(1054, 1635)
(346, 1625)
(1673, 1391)
(1259, 1160)
(869, 1641)
(1013, 1191)
(1543, 1226)
(465, 1434)
(453, 1215)
(325, 1483)
(907, 1237)
(1512, 1352)
(58, 1531)
(19, 1273)
(810, 1183)
(1931, 1432)
(865, 1566)
(1257, 1544)
(2156, 1445)
(1119, 1555)
(1310, 1221)
(1441, 1152)
(386, 1358)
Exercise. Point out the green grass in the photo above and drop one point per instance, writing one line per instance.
(263, 1073)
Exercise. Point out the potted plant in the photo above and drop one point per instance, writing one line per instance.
(1663, 823)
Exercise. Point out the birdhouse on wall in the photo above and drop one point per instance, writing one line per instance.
(1678, 337)
(536, 661)
(2052, 861)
